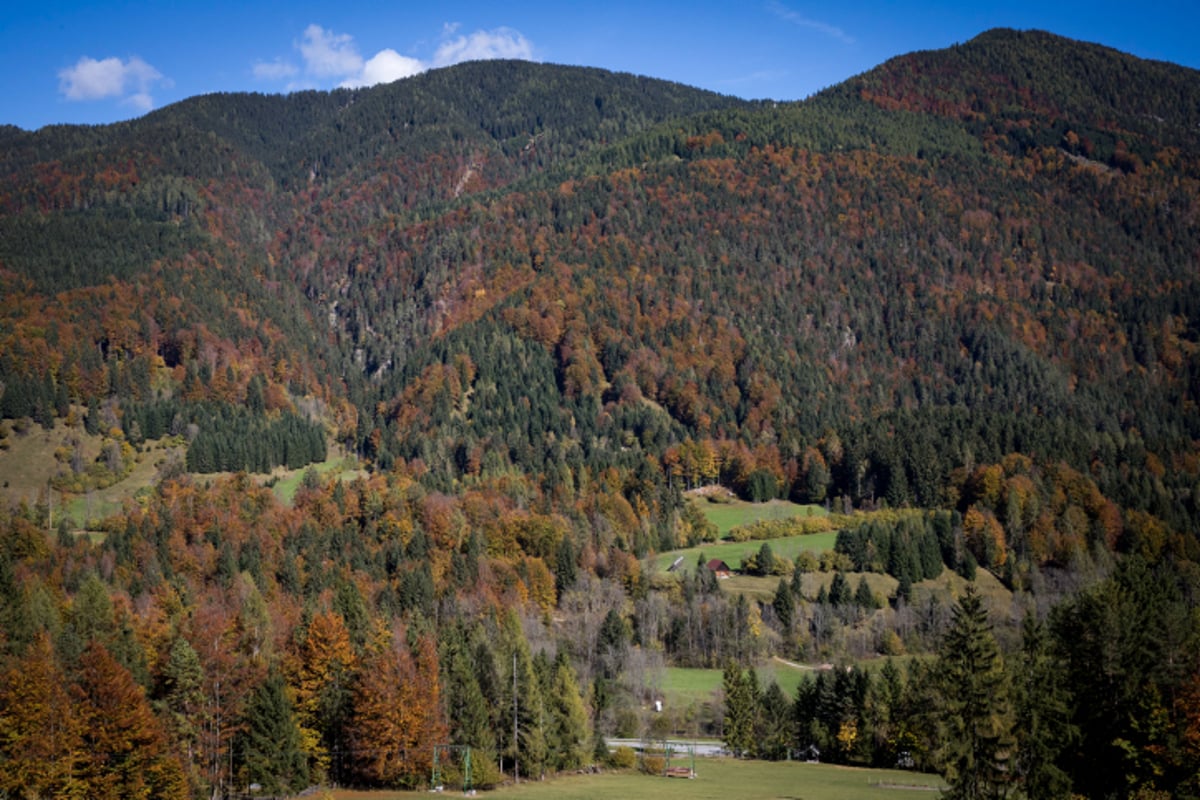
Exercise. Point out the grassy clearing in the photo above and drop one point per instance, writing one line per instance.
(717, 779)
(27, 464)
(683, 686)
(727, 515)
(732, 553)
(27, 461)
(338, 465)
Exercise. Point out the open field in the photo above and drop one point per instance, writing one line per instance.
(717, 779)
(287, 482)
(733, 552)
(27, 464)
(687, 685)
(728, 515)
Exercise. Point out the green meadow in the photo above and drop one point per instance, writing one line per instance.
(716, 779)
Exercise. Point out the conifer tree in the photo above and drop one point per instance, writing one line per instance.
(521, 702)
(268, 745)
(864, 598)
(973, 719)
(784, 606)
(740, 710)
(775, 728)
(467, 709)
(567, 723)
(181, 692)
(839, 590)
(41, 743)
(1043, 716)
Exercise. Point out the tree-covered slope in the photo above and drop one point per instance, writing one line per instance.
(956, 255)
(951, 304)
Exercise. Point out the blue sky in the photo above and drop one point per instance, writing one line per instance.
(96, 62)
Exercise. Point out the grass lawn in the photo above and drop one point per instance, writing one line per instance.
(732, 553)
(345, 467)
(684, 686)
(27, 464)
(728, 515)
(717, 779)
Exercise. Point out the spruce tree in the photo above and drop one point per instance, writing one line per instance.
(974, 744)
(775, 729)
(1043, 716)
(784, 606)
(839, 590)
(268, 746)
(740, 711)
(567, 722)
(467, 708)
(864, 598)
(522, 709)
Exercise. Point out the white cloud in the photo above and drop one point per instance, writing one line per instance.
(130, 80)
(384, 67)
(274, 70)
(328, 54)
(497, 43)
(141, 101)
(796, 18)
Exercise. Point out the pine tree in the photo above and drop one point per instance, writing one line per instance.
(521, 697)
(740, 711)
(1043, 716)
(784, 606)
(268, 745)
(974, 742)
(567, 723)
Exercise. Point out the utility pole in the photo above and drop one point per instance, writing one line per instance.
(516, 740)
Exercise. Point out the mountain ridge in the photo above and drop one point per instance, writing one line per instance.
(952, 314)
(403, 212)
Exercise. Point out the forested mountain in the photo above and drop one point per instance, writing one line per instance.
(958, 293)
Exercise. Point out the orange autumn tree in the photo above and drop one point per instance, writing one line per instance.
(398, 714)
(127, 752)
(41, 747)
(322, 674)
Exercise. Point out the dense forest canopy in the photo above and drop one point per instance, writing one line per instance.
(952, 305)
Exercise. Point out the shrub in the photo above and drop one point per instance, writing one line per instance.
(653, 765)
(622, 758)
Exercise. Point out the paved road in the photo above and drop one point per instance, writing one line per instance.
(680, 746)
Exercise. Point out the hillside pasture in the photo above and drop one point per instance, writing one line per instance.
(716, 779)
(28, 463)
(728, 513)
(732, 553)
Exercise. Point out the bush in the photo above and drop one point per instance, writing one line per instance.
(653, 765)
(622, 758)
(484, 773)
